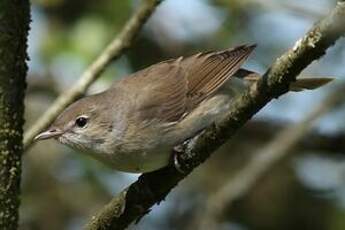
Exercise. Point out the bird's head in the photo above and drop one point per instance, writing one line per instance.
(82, 125)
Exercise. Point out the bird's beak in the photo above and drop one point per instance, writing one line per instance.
(50, 133)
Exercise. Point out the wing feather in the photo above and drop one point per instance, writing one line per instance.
(169, 90)
(209, 71)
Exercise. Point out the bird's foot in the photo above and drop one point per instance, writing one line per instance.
(177, 151)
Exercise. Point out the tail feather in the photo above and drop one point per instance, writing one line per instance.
(309, 83)
(305, 83)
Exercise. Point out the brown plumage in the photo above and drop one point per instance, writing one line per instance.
(177, 86)
(134, 124)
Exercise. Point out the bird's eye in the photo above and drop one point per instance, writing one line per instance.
(81, 122)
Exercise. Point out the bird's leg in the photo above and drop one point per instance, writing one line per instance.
(177, 150)
(176, 157)
(181, 159)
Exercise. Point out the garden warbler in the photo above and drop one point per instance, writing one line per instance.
(134, 125)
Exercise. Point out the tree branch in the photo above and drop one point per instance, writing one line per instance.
(110, 53)
(264, 131)
(14, 27)
(151, 188)
(287, 5)
(262, 161)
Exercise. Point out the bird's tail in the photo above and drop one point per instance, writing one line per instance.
(307, 83)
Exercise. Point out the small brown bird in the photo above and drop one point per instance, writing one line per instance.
(134, 125)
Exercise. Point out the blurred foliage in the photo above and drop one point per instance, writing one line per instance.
(62, 189)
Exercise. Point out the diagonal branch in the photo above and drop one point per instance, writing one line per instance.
(151, 188)
(263, 160)
(113, 51)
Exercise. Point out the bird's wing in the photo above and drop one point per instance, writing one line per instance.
(157, 92)
(207, 72)
(171, 89)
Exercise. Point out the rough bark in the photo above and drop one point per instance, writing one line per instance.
(262, 161)
(14, 26)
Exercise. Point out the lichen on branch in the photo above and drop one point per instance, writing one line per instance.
(14, 26)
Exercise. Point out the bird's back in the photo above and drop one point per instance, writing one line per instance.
(170, 101)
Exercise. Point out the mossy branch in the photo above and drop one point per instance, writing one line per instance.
(14, 27)
(263, 160)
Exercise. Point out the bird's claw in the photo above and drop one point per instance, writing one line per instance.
(176, 161)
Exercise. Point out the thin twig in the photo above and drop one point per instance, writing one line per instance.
(110, 53)
(152, 188)
(328, 143)
(298, 8)
(262, 161)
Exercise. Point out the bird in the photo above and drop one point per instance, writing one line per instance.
(134, 125)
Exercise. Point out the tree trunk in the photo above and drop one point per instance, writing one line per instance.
(14, 26)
